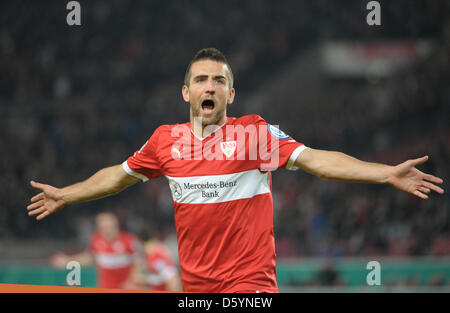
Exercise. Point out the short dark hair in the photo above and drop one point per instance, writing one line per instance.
(208, 54)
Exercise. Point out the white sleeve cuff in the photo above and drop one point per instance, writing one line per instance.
(133, 173)
(290, 164)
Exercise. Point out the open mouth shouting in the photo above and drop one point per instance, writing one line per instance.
(207, 106)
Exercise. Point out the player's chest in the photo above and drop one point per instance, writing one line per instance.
(212, 156)
(114, 247)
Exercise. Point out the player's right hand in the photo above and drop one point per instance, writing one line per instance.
(46, 202)
(59, 260)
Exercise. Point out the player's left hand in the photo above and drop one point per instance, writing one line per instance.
(407, 177)
(46, 202)
(59, 260)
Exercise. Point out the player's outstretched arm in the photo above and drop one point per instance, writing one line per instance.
(105, 182)
(339, 166)
(60, 260)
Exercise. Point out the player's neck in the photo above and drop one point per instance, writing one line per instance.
(203, 131)
(110, 237)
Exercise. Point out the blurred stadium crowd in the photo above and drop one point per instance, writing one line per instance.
(77, 99)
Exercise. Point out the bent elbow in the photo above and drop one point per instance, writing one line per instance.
(321, 172)
(118, 189)
(324, 175)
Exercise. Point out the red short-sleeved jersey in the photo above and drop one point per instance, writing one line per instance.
(160, 267)
(221, 189)
(114, 259)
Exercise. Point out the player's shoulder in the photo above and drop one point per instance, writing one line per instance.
(169, 127)
(166, 130)
(97, 242)
(161, 250)
(95, 236)
(248, 119)
(127, 236)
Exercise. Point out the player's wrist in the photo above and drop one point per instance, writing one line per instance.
(388, 177)
(62, 196)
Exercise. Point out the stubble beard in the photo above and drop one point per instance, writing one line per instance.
(214, 119)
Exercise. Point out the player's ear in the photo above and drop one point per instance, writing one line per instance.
(185, 93)
(231, 98)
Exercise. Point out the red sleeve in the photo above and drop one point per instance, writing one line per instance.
(144, 163)
(276, 148)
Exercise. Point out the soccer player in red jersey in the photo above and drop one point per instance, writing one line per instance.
(114, 252)
(219, 171)
(158, 271)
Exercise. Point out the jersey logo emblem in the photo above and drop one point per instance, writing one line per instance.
(176, 190)
(277, 133)
(176, 154)
(228, 147)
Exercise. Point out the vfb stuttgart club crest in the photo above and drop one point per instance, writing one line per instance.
(176, 190)
(228, 147)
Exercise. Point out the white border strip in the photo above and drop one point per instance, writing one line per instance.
(133, 173)
(113, 261)
(290, 164)
(219, 188)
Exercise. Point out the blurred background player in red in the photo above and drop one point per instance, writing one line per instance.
(114, 252)
(159, 271)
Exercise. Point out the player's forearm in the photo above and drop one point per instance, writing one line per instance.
(84, 258)
(102, 184)
(340, 166)
(343, 167)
